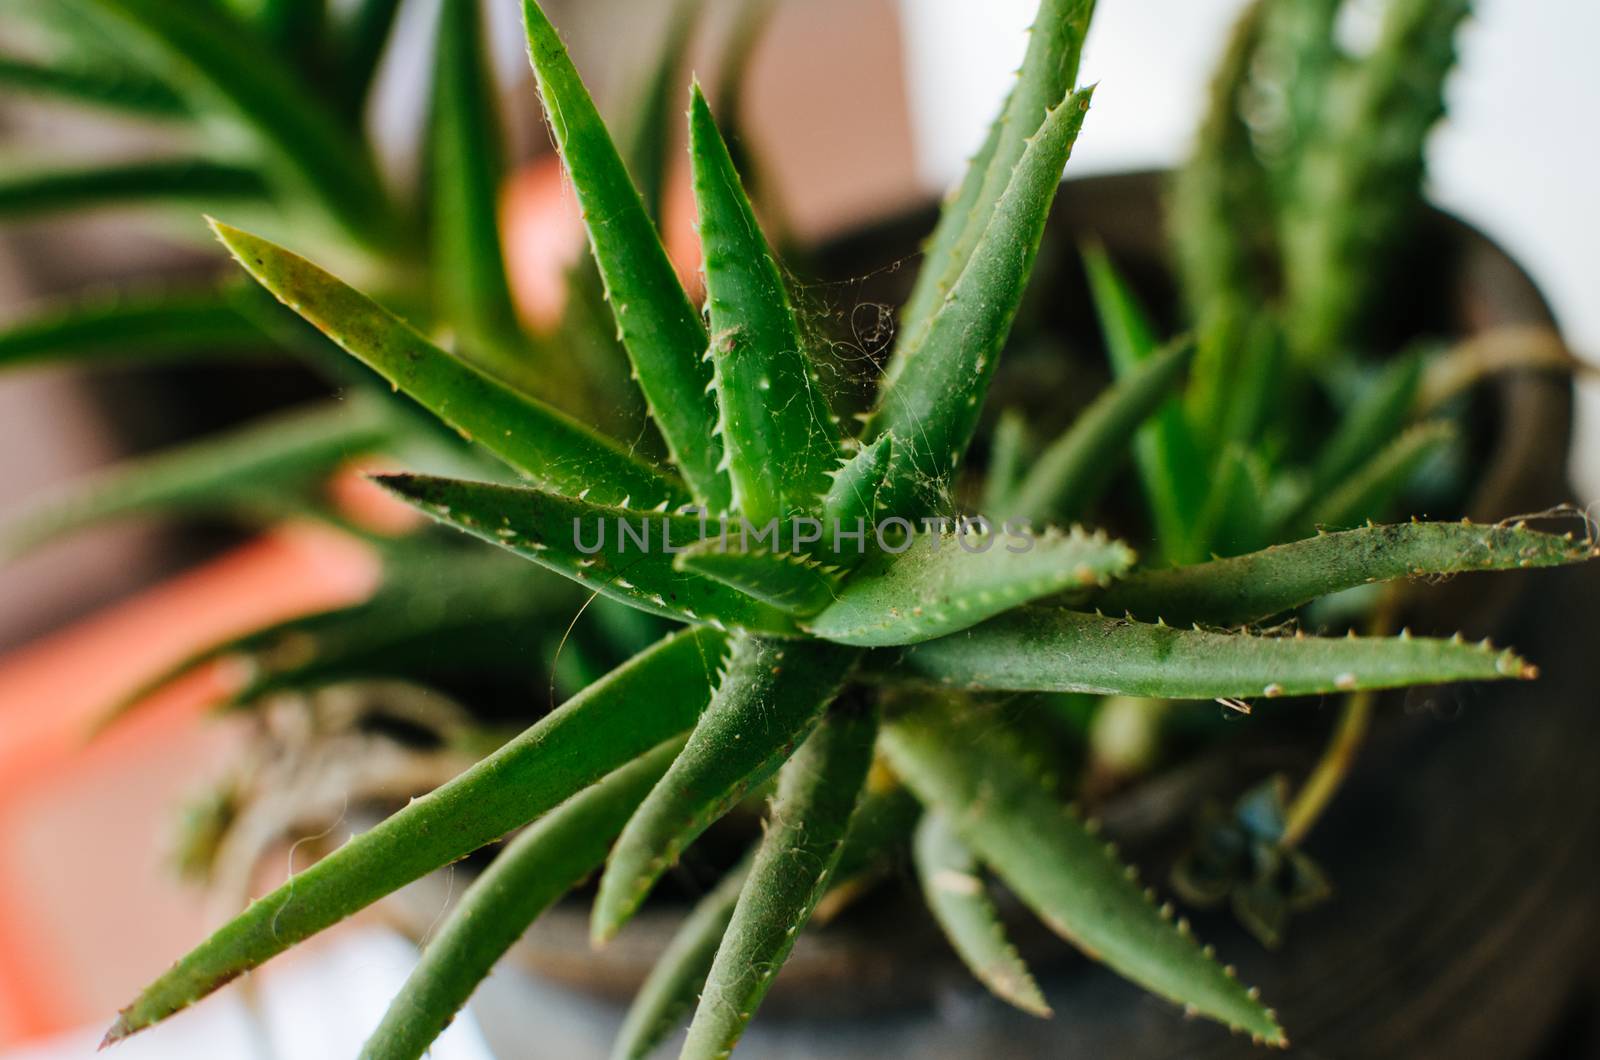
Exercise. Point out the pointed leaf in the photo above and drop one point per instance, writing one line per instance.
(183, 181)
(256, 469)
(465, 169)
(137, 326)
(1069, 476)
(1171, 467)
(944, 582)
(1049, 72)
(1229, 592)
(771, 696)
(624, 553)
(547, 445)
(976, 772)
(662, 332)
(790, 581)
(544, 862)
(851, 504)
(781, 438)
(1051, 650)
(651, 698)
(213, 59)
(952, 883)
(817, 793)
(679, 974)
(931, 403)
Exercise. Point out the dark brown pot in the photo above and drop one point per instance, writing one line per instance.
(1462, 847)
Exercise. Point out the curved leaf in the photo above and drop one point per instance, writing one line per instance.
(817, 793)
(651, 698)
(943, 582)
(1049, 650)
(623, 553)
(541, 864)
(661, 330)
(543, 443)
(1230, 592)
(931, 396)
(679, 974)
(780, 436)
(771, 696)
(790, 581)
(1049, 71)
(976, 773)
(1166, 452)
(951, 881)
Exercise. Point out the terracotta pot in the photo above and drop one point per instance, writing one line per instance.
(1462, 847)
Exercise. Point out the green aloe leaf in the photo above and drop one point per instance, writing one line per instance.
(222, 65)
(263, 469)
(117, 89)
(952, 882)
(947, 581)
(781, 437)
(548, 446)
(651, 698)
(1358, 183)
(883, 819)
(1372, 488)
(139, 326)
(626, 554)
(1229, 592)
(976, 772)
(851, 503)
(1166, 452)
(1054, 650)
(544, 862)
(465, 169)
(179, 181)
(661, 330)
(1074, 470)
(1049, 72)
(772, 695)
(679, 974)
(790, 581)
(817, 793)
(930, 398)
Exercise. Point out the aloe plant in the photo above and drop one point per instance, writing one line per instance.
(803, 607)
(866, 614)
